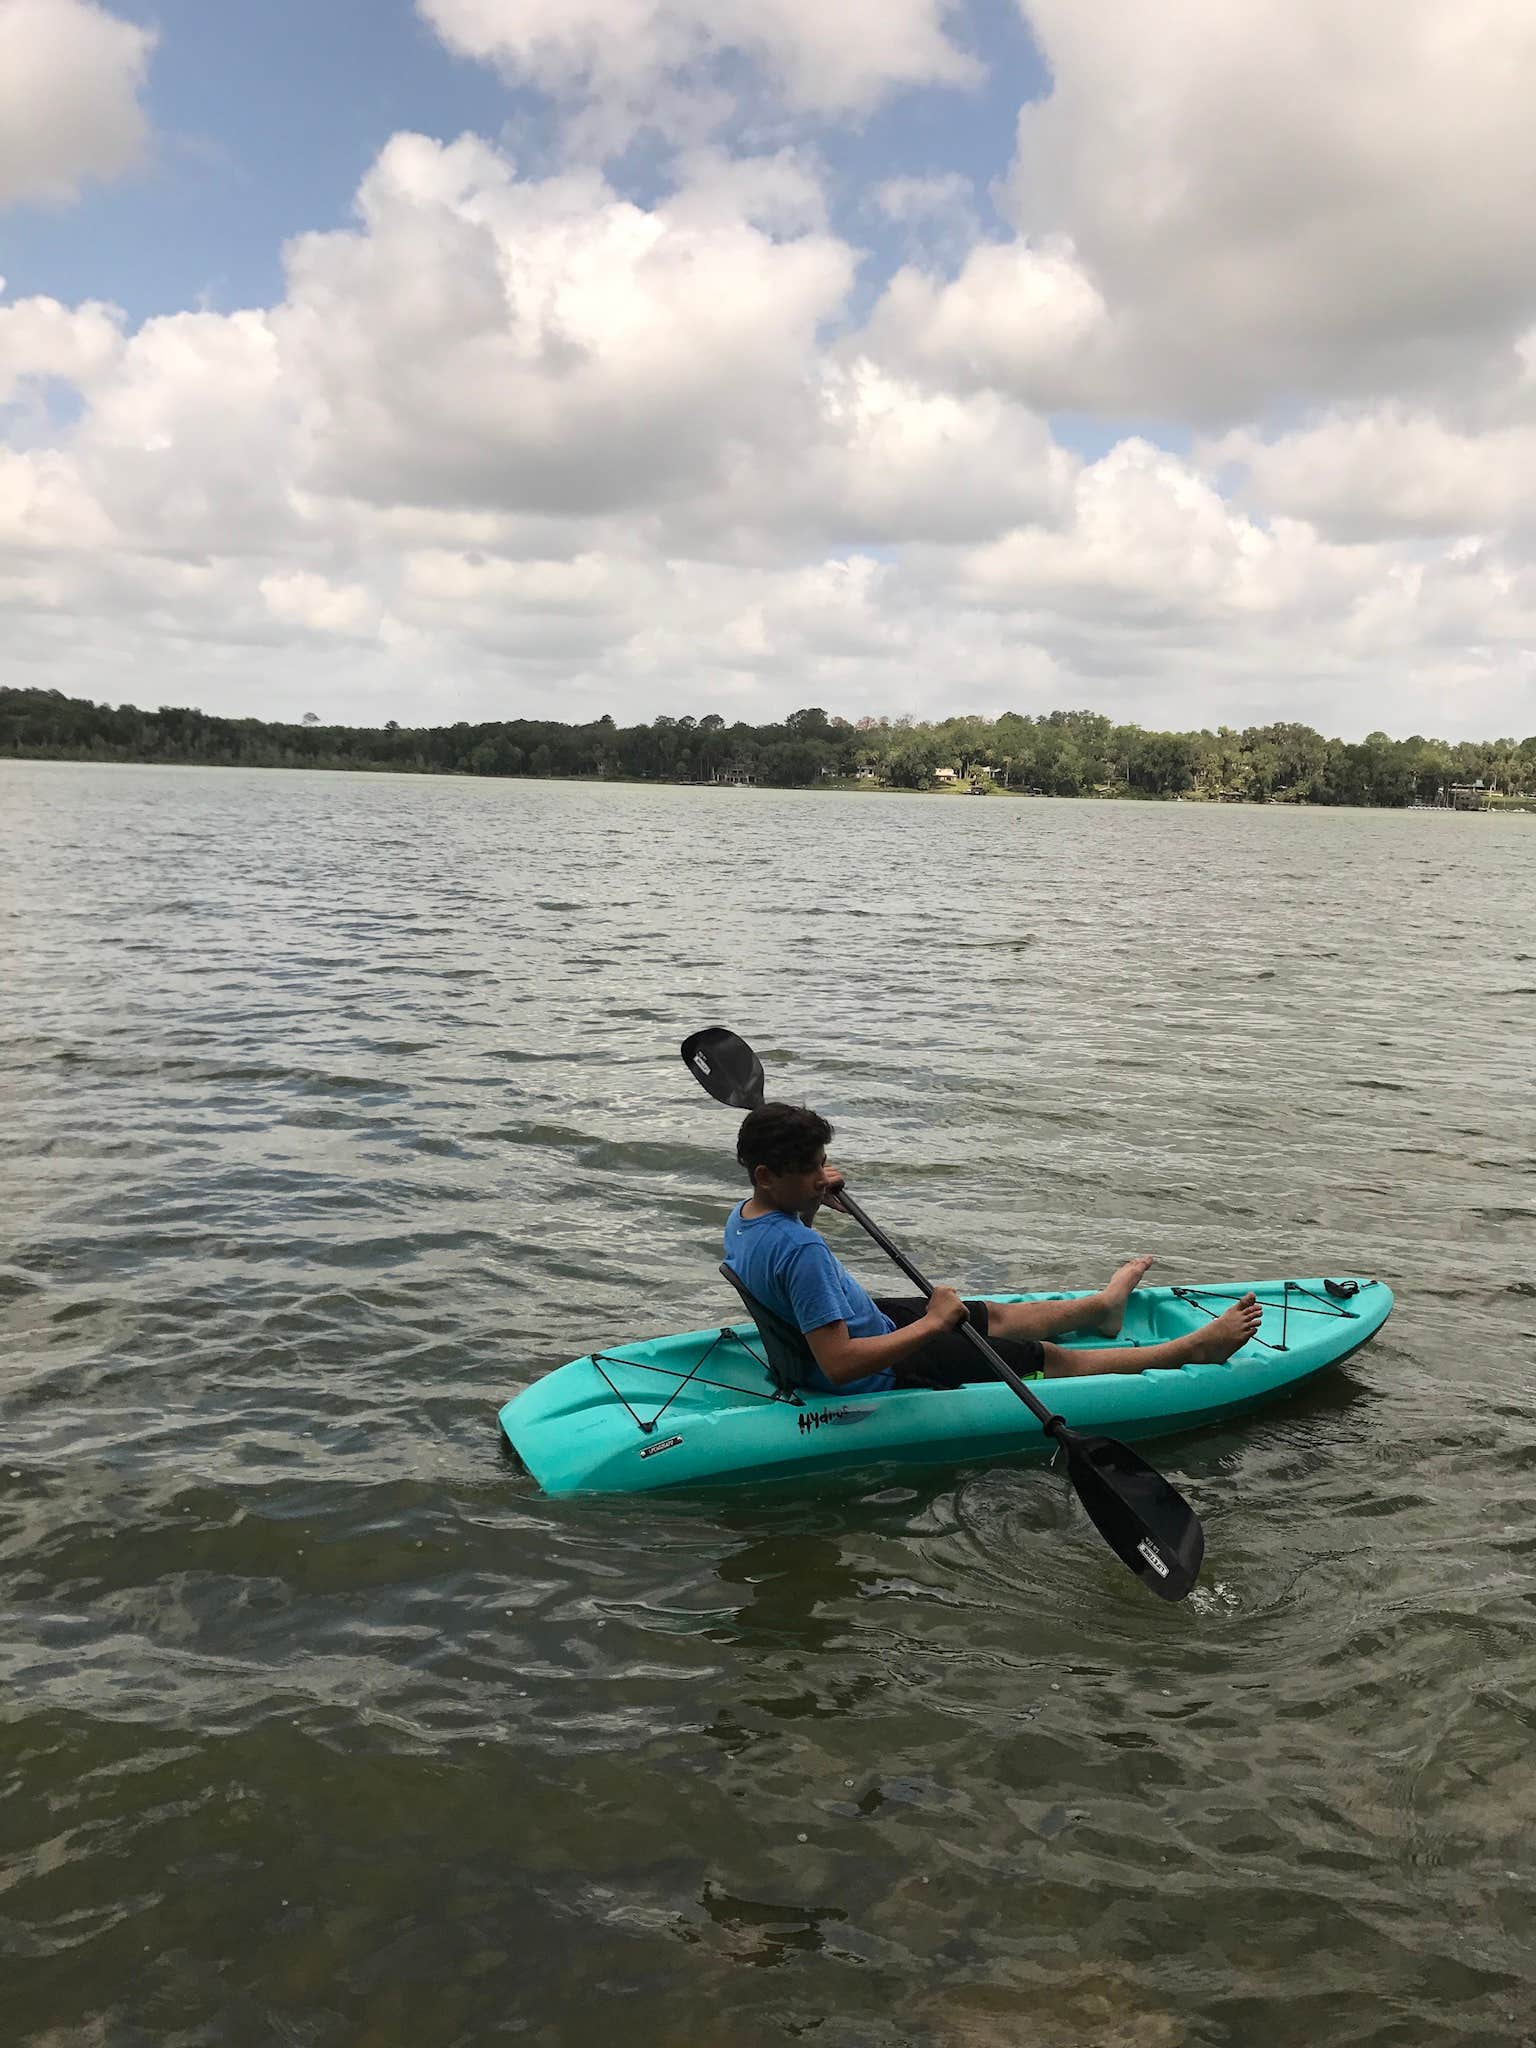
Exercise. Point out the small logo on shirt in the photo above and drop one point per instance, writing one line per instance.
(816, 1418)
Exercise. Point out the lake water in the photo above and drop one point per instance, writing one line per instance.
(336, 1108)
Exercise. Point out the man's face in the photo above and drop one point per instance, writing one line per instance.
(799, 1188)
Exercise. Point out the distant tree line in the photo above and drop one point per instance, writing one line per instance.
(1063, 753)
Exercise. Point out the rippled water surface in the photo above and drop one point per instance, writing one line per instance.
(337, 1108)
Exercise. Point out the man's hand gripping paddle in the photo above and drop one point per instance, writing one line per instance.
(1146, 1522)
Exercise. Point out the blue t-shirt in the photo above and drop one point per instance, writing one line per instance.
(791, 1269)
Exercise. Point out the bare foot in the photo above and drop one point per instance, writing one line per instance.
(1115, 1294)
(1218, 1340)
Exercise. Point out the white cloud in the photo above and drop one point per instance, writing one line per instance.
(517, 444)
(894, 463)
(1158, 585)
(299, 598)
(1392, 470)
(544, 347)
(666, 64)
(1288, 196)
(1225, 211)
(1017, 319)
(40, 339)
(552, 614)
(70, 79)
(45, 507)
(189, 443)
(783, 194)
(1151, 564)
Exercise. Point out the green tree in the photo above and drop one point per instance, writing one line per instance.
(1163, 763)
(911, 764)
(811, 724)
(790, 764)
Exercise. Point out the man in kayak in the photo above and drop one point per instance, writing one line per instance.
(865, 1346)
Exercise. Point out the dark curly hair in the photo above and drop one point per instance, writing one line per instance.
(782, 1136)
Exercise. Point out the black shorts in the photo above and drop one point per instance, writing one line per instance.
(950, 1359)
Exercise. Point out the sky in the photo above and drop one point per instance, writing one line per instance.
(544, 358)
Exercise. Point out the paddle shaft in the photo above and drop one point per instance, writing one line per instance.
(968, 1329)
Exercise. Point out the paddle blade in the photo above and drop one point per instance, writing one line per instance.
(1147, 1523)
(727, 1066)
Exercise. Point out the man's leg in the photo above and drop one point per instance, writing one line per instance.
(1211, 1346)
(951, 1360)
(1103, 1312)
(937, 1365)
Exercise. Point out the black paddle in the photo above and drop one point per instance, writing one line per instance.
(1146, 1522)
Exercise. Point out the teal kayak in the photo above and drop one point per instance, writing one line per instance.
(701, 1409)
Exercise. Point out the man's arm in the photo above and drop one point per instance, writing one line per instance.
(842, 1358)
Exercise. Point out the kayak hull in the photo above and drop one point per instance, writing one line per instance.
(699, 1410)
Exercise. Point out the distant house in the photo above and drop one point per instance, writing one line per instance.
(945, 775)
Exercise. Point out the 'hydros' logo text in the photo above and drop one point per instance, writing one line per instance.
(818, 1418)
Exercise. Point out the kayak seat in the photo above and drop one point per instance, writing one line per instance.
(790, 1359)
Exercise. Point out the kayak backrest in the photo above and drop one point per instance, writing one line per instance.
(790, 1359)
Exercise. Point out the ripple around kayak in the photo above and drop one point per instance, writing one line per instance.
(700, 1410)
